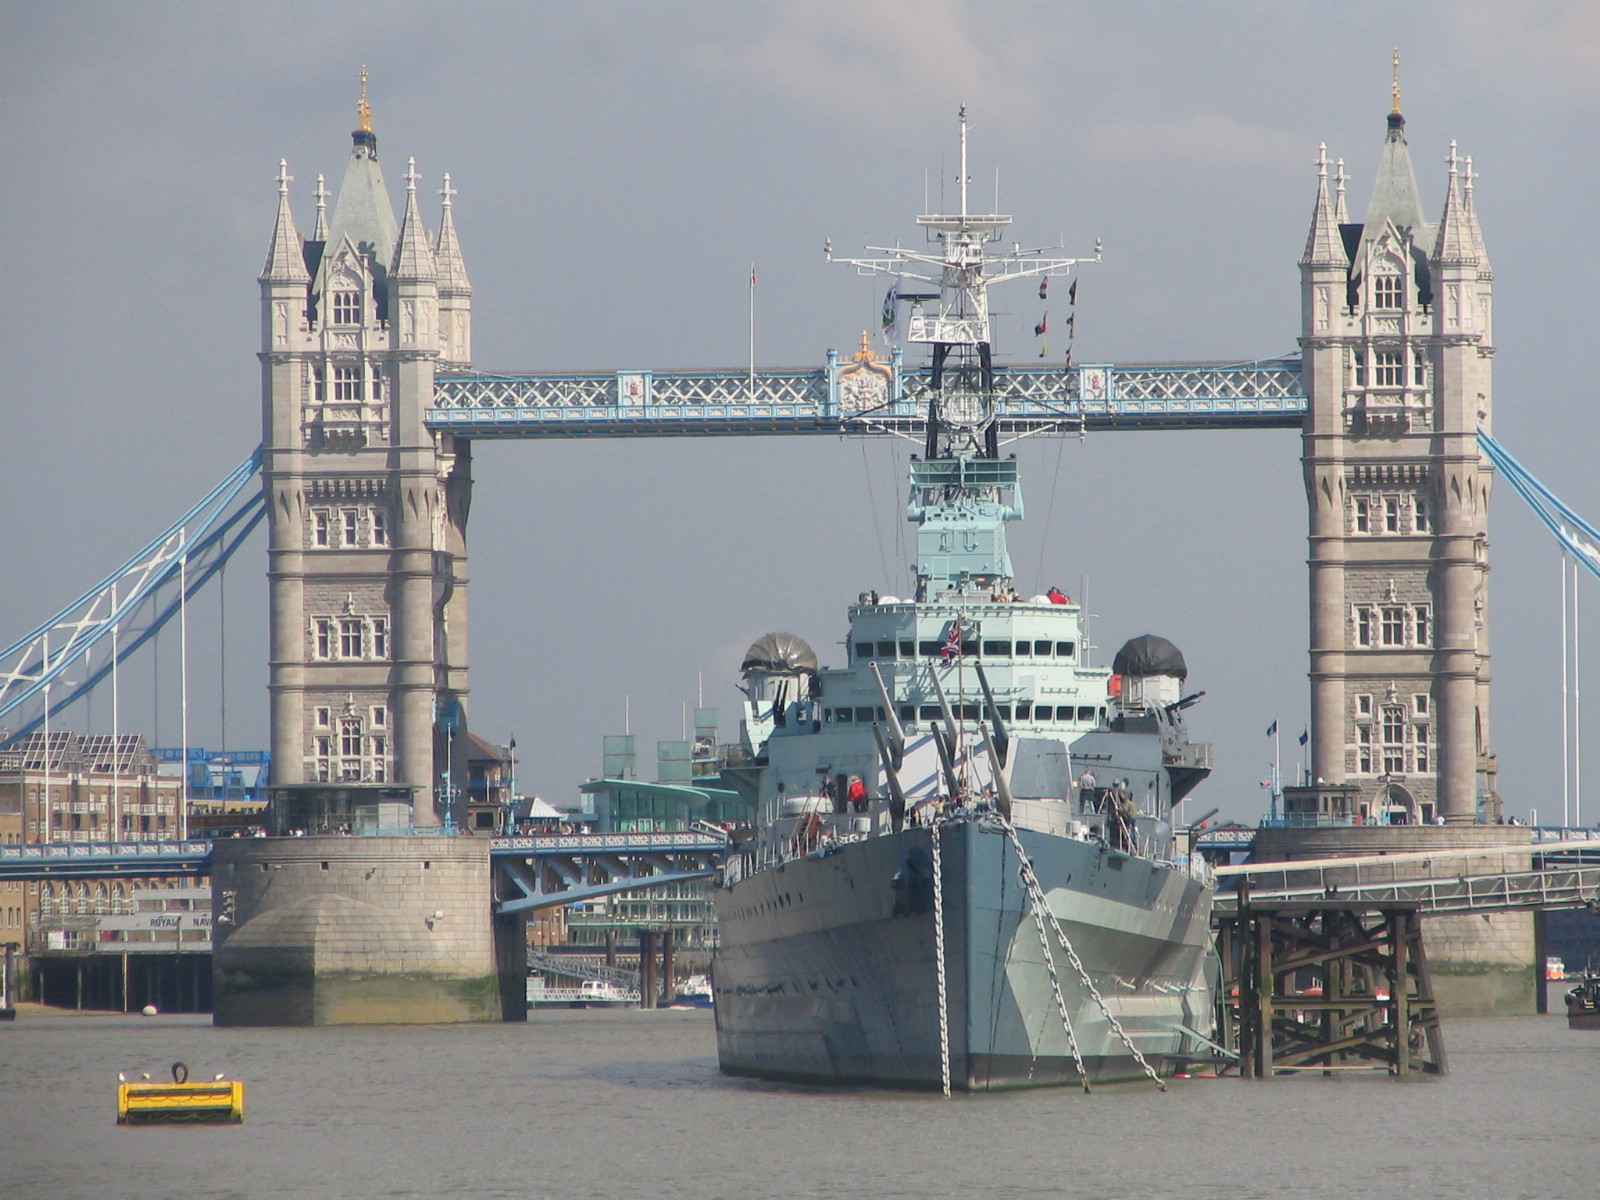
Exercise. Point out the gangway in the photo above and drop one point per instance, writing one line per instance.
(575, 967)
(1508, 879)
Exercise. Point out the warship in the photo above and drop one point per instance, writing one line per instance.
(965, 872)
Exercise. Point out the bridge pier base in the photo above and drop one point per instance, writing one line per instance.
(354, 930)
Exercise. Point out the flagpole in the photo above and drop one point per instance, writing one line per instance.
(752, 331)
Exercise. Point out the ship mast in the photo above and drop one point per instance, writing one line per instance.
(962, 492)
(960, 392)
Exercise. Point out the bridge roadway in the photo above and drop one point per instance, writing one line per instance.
(539, 871)
(1266, 394)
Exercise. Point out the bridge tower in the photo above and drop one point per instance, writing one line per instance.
(367, 508)
(1397, 353)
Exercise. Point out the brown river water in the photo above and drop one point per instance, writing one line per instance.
(630, 1104)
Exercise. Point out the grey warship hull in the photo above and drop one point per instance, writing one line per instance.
(827, 971)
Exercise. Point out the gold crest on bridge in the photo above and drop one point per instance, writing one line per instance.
(865, 382)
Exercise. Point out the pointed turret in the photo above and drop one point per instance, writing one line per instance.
(447, 251)
(1324, 246)
(413, 257)
(455, 292)
(1454, 244)
(286, 261)
(1469, 215)
(1341, 214)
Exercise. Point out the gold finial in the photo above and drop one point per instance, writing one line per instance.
(364, 110)
(1394, 90)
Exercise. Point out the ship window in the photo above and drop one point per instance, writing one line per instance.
(998, 649)
(969, 712)
(1024, 648)
(929, 712)
(1005, 712)
(928, 649)
(908, 649)
(1041, 647)
(1024, 710)
(864, 650)
(1086, 714)
(908, 712)
(864, 715)
(970, 649)
(843, 715)
(885, 649)
(1043, 712)
(1064, 649)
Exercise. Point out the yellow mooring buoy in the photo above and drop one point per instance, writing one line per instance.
(180, 1102)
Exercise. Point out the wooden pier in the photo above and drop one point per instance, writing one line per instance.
(1327, 985)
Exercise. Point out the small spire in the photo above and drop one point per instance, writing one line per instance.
(1454, 243)
(319, 232)
(364, 110)
(1324, 246)
(1340, 213)
(447, 250)
(413, 256)
(1469, 213)
(286, 261)
(1394, 89)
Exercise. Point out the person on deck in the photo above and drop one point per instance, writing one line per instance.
(1057, 596)
(856, 794)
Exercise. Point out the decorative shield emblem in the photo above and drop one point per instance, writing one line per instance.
(864, 381)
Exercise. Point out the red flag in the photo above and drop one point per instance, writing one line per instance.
(1043, 326)
(1044, 286)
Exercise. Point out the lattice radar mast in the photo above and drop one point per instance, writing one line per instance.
(960, 390)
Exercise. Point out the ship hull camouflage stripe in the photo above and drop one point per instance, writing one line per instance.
(826, 970)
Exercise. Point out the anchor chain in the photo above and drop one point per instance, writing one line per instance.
(938, 956)
(1040, 907)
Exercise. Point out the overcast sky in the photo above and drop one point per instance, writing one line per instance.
(620, 165)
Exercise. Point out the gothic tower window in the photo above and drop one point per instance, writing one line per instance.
(380, 528)
(1421, 515)
(319, 527)
(1394, 740)
(1389, 368)
(1424, 759)
(1386, 291)
(347, 383)
(350, 637)
(347, 308)
(380, 637)
(349, 528)
(1394, 625)
(1391, 514)
(1422, 627)
(1363, 514)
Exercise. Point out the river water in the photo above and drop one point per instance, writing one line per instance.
(630, 1104)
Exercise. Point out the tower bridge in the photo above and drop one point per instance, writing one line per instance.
(371, 403)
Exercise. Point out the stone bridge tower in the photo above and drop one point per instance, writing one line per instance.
(1397, 352)
(367, 509)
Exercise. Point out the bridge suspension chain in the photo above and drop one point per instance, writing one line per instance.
(193, 548)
